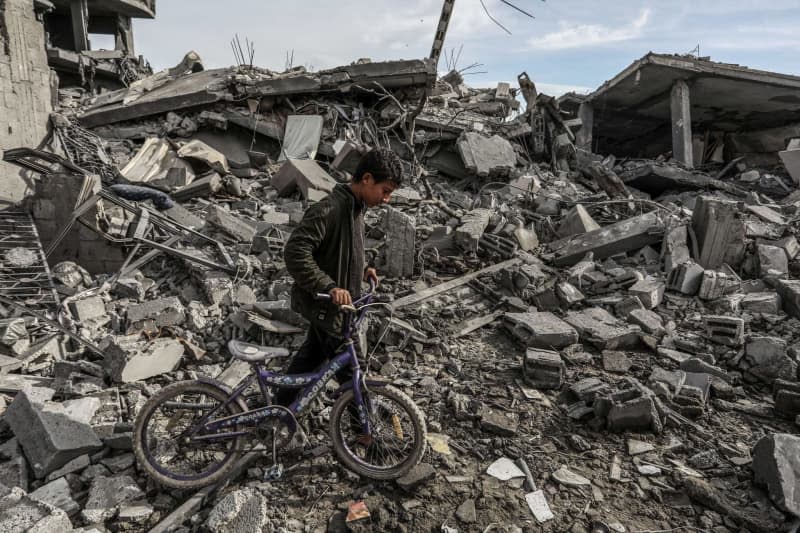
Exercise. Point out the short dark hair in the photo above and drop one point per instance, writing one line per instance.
(384, 165)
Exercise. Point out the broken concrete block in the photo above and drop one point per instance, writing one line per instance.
(576, 222)
(90, 312)
(675, 249)
(422, 473)
(498, 422)
(473, 224)
(348, 157)
(789, 291)
(543, 369)
(48, 435)
(20, 512)
(128, 359)
(57, 493)
(625, 236)
(772, 261)
(400, 233)
(720, 232)
(155, 314)
(787, 397)
(694, 393)
(486, 156)
(650, 292)
(769, 359)
(789, 245)
(305, 174)
(725, 330)
(776, 465)
(638, 414)
(541, 330)
(713, 285)
(768, 303)
(601, 329)
(616, 362)
(587, 389)
(698, 366)
(240, 229)
(673, 381)
(686, 278)
(197, 150)
(107, 494)
(648, 320)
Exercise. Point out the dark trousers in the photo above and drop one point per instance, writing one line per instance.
(318, 348)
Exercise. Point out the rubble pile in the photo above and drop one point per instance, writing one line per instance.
(598, 344)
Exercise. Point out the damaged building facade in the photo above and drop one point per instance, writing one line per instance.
(595, 300)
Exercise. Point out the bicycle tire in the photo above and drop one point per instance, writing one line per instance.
(141, 445)
(360, 465)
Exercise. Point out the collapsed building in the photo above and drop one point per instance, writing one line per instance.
(594, 299)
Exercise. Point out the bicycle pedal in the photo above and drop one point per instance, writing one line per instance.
(274, 472)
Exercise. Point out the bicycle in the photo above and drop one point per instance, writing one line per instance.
(188, 434)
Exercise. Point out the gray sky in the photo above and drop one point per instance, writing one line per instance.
(571, 44)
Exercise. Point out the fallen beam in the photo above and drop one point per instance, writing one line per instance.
(453, 283)
(622, 237)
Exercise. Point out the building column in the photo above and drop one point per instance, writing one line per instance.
(124, 37)
(79, 9)
(583, 140)
(680, 104)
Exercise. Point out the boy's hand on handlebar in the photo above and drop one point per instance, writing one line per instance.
(371, 275)
(341, 297)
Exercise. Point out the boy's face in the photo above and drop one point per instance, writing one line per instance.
(375, 194)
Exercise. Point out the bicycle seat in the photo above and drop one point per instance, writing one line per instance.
(253, 353)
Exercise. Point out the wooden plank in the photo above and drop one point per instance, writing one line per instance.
(453, 283)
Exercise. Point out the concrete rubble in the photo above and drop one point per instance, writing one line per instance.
(599, 341)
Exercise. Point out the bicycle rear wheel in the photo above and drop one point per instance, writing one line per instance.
(162, 444)
(397, 441)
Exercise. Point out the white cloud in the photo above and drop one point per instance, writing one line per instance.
(583, 35)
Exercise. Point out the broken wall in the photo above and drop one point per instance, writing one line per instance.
(25, 94)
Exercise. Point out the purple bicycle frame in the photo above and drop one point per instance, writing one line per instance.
(313, 383)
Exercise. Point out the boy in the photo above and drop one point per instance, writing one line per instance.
(325, 254)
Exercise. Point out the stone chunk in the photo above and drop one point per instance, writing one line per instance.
(107, 494)
(20, 512)
(49, 436)
(713, 285)
(127, 359)
(770, 360)
(698, 366)
(772, 261)
(569, 478)
(598, 327)
(239, 511)
(90, 312)
(498, 423)
(637, 414)
(617, 362)
(155, 314)
(686, 278)
(543, 369)
(650, 292)
(422, 473)
(776, 465)
(576, 222)
(649, 321)
(400, 237)
(486, 156)
(541, 330)
(675, 249)
(57, 493)
(473, 224)
(725, 330)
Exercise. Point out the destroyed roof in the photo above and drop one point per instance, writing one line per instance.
(130, 8)
(732, 97)
(202, 88)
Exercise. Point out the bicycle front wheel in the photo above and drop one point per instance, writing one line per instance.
(396, 443)
(163, 442)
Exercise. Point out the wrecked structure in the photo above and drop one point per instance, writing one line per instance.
(599, 343)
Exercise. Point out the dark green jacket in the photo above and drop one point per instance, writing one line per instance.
(319, 256)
